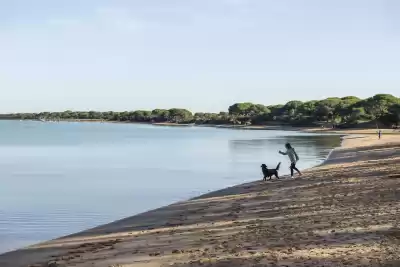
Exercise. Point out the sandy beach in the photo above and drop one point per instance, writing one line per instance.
(345, 212)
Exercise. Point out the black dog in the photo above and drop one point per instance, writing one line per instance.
(270, 172)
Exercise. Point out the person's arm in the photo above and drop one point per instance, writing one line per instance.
(283, 153)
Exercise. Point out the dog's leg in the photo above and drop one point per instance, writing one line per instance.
(276, 175)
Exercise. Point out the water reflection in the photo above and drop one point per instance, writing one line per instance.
(308, 147)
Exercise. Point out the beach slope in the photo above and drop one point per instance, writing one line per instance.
(345, 212)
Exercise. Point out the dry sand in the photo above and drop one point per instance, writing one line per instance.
(345, 212)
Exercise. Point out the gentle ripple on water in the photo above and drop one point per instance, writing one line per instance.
(61, 178)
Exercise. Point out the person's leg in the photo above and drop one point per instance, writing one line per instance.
(295, 168)
(292, 166)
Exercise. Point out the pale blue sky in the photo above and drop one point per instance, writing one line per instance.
(198, 54)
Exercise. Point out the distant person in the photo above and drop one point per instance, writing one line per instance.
(294, 158)
(379, 134)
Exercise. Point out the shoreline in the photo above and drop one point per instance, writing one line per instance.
(344, 131)
(316, 164)
(146, 226)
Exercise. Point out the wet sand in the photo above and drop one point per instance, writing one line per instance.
(345, 212)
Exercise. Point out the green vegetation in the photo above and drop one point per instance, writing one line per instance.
(350, 111)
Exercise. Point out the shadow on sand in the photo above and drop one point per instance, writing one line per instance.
(343, 213)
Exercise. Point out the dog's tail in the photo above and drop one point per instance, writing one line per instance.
(279, 165)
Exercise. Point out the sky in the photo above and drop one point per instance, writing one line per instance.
(203, 55)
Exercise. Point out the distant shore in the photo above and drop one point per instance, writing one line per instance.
(332, 216)
(366, 131)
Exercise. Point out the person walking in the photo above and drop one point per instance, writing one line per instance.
(294, 158)
(379, 134)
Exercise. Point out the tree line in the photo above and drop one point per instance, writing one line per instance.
(340, 112)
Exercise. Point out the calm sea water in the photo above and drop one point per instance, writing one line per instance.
(60, 178)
